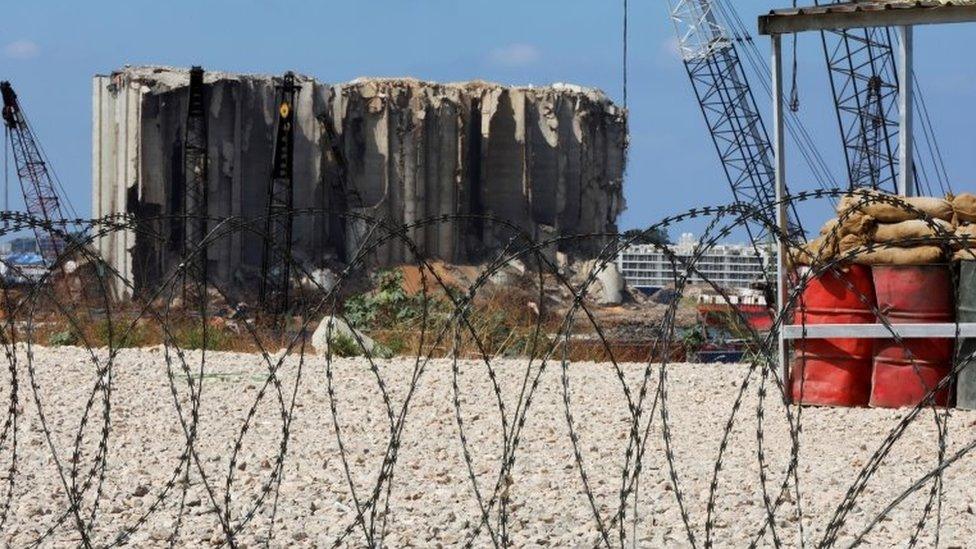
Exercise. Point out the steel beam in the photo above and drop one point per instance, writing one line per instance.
(862, 66)
(782, 220)
(906, 90)
(849, 16)
(194, 222)
(276, 263)
(879, 331)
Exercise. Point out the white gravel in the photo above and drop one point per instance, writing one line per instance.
(432, 501)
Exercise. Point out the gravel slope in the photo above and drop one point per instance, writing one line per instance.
(432, 501)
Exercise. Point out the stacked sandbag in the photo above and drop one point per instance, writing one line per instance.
(903, 243)
(886, 229)
(889, 208)
(817, 251)
(964, 208)
(837, 236)
(903, 230)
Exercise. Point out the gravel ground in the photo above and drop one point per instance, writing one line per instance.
(432, 501)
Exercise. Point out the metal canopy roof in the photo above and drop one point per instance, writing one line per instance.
(859, 14)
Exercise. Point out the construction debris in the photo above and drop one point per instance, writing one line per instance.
(334, 336)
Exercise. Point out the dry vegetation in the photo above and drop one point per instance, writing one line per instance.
(406, 311)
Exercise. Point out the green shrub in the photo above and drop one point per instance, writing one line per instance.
(692, 340)
(386, 305)
(121, 333)
(382, 351)
(195, 337)
(65, 337)
(343, 346)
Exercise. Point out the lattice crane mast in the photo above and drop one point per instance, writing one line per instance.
(864, 83)
(194, 223)
(729, 108)
(36, 182)
(276, 264)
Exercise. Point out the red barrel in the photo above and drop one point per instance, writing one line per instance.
(834, 372)
(831, 372)
(904, 373)
(838, 296)
(914, 293)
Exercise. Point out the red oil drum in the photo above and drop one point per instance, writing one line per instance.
(834, 372)
(905, 372)
(838, 296)
(914, 293)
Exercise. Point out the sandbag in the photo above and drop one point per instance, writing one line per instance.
(963, 232)
(968, 254)
(913, 228)
(856, 223)
(850, 242)
(918, 255)
(964, 206)
(817, 251)
(889, 212)
(832, 226)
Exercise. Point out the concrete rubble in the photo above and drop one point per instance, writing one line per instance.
(608, 286)
(331, 330)
(548, 160)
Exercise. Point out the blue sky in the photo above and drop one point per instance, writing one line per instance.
(51, 49)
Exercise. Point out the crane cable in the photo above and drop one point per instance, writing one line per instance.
(935, 151)
(794, 89)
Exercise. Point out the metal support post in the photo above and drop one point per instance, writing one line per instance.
(906, 180)
(782, 221)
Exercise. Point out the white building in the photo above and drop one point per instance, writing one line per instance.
(728, 266)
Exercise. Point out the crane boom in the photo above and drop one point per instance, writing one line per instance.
(729, 107)
(36, 182)
(864, 83)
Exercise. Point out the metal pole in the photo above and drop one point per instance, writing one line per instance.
(906, 180)
(6, 173)
(779, 155)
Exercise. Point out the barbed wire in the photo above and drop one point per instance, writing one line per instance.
(83, 288)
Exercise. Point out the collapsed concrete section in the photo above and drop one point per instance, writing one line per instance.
(548, 160)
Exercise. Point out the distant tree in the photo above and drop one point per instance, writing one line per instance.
(655, 236)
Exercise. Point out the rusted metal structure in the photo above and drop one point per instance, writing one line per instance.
(194, 191)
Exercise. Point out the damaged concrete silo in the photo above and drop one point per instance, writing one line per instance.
(548, 160)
